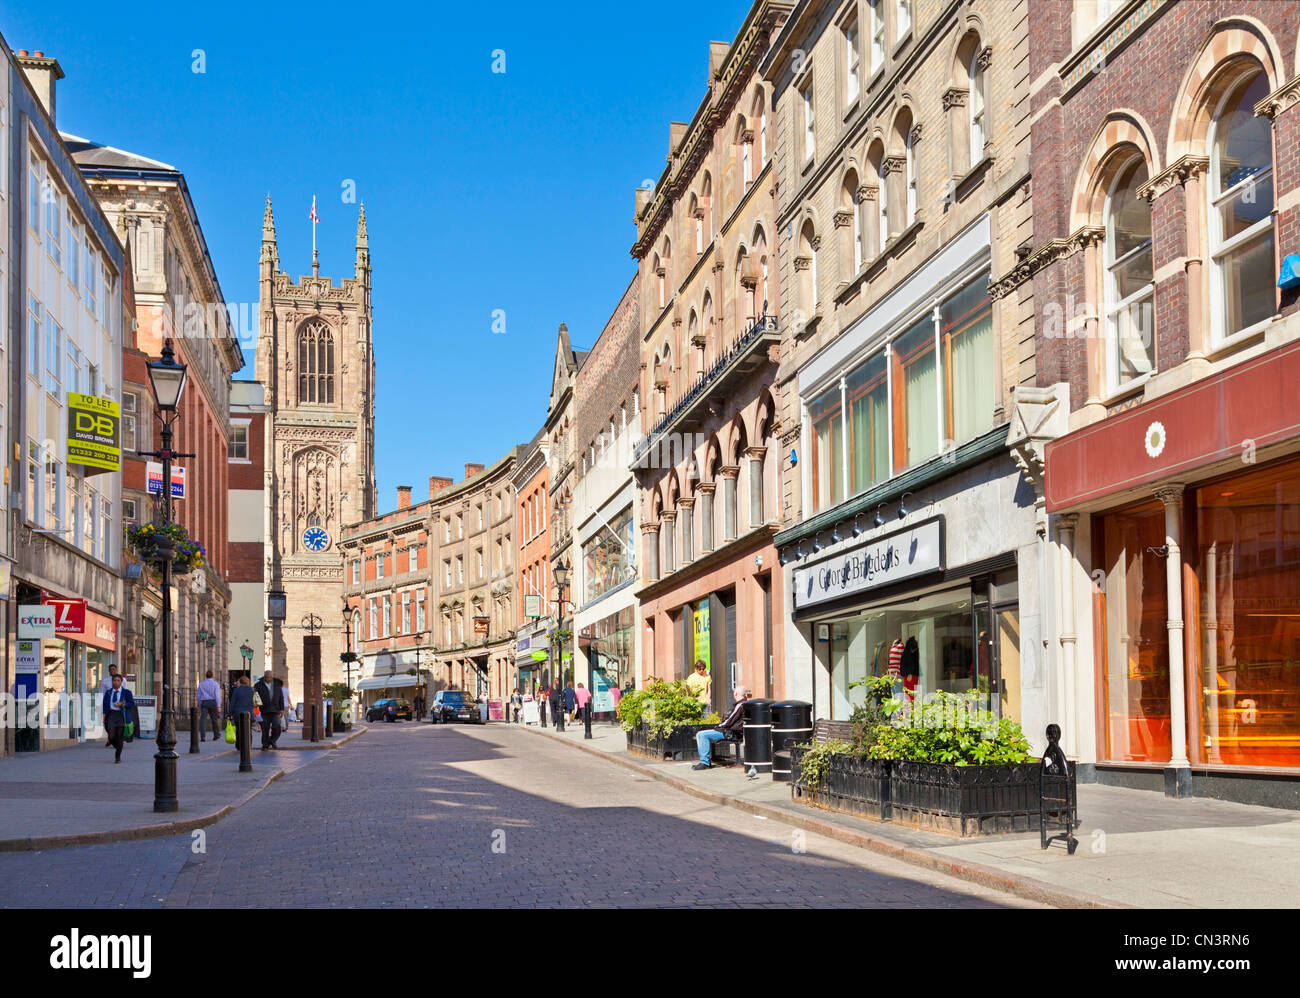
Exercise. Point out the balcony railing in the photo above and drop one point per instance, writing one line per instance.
(763, 324)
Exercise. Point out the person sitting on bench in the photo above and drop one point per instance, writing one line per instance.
(732, 725)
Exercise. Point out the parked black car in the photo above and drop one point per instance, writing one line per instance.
(389, 710)
(454, 705)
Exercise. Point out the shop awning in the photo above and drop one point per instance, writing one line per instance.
(386, 682)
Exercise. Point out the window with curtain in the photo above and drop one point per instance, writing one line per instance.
(1130, 336)
(852, 62)
(916, 435)
(868, 398)
(827, 429)
(1241, 205)
(970, 381)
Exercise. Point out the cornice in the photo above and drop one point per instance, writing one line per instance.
(1055, 250)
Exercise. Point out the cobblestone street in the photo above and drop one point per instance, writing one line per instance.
(416, 816)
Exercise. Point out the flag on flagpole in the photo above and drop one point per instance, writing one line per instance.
(314, 217)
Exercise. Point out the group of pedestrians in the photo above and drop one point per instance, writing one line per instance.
(565, 701)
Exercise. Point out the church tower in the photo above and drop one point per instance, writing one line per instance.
(314, 355)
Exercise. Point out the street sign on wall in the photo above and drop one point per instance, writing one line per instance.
(93, 425)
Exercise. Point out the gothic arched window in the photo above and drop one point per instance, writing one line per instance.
(315, 363)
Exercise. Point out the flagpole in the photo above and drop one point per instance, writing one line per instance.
(315, 260)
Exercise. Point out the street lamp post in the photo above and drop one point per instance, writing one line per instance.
(561, 576)
(246, 653)
(349, 656)
(167, 379)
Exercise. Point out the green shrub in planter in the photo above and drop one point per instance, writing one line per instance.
(815, 761)
(949, 728)
(662, 707)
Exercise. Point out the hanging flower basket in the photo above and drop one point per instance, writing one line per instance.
(156, 544)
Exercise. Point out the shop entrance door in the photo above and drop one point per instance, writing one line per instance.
(923, 631)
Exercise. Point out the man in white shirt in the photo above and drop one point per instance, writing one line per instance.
(105, 685)
(208, 696)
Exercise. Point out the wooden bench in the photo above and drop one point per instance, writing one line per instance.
(832, 731)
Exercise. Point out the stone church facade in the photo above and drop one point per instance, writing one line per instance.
(314, 355)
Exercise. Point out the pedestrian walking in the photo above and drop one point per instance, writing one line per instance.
(208, 697)
(241, 702)
(570, 701)
(119, 707)
(271, 694)
(582, 697)
(105, 686)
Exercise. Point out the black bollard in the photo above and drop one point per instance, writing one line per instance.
(315, 731)
(245, 723)
(194, 730)
(586, 720)
(329, 724)
(545, 705)
(559, 718)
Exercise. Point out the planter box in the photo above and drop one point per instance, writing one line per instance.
(853, 784)
(677, 746)
(961, 800)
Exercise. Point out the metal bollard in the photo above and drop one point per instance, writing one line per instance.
(329, 724)
(315, 731)
(545, 705)
(194, 730)
(245, 723)
(559, 718)
(586, 720)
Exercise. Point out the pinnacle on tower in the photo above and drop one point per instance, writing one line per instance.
(363, 246)
(362, 239)
(270, 254)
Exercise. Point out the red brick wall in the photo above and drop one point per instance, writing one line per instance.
(610, 372)
(246, 562)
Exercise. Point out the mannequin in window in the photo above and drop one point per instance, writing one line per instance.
(911, 666)
(896, 666)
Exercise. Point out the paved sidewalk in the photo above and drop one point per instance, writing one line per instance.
(79, 796)
(1136, 848)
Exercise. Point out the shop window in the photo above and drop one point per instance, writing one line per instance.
(1135, 639)
(1248, 571)
(1241, 212)
(1130, 334)
(970, 380)
(916, 402)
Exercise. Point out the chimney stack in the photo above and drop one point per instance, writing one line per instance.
(437, 483)
(403, 497)
(472, 469)
(42, 73)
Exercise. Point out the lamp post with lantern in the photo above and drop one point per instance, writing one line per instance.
(561, 577)
(167, 381)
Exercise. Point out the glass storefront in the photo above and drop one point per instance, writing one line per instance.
(953, 641)
(1248, 575)
(608, 645)
(1135, 636)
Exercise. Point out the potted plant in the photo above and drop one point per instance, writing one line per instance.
(661, 720)
(341, 696)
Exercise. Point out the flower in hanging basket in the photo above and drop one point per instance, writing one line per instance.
(158, 543)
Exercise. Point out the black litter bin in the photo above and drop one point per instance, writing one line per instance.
(791, 725)
(758, 735)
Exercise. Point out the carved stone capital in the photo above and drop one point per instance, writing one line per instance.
(1283, 98)
(915, 133)
(1175, 175)
(955, 97)
(842, 218)
(893, 164)
(867, 193)
(802, 262)
(1170, 493)
(985, 58)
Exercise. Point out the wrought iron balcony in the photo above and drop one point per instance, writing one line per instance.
(741, 357)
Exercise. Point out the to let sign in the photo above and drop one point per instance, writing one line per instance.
(153, 474)
(93, 428)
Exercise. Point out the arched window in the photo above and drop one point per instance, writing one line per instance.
(745, 140)
(850, 222)
(706, 203)
(1240, 192)
(315, 363)
(1128, 280)
(978, 103)
(806, 267)
(761, 293)
(759, 114)
(710, 343)
(659, 280)
(696, 222)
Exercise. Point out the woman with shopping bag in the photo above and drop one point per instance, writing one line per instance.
(241, 702)
(119, 712)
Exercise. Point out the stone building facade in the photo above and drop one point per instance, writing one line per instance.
(707, 464)
(1166, 196)
(902, 162)
(528, 484)
(418, 580)
(315, 359)
(559, 441)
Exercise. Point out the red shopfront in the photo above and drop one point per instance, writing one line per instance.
(1194, 500)
(74, 664)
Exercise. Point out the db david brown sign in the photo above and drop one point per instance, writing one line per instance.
(884, 561)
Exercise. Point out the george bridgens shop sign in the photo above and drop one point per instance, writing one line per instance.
(879, 562)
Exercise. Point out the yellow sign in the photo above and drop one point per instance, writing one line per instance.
(93, 425)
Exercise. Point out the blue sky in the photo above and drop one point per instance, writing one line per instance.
(483, 190)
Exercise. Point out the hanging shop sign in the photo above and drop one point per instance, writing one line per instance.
(93, 426)
(532, 605)
(69, 614)
(883, 561)
(481, 625)
(36, 622)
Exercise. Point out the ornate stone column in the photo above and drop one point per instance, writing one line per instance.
(687, 508)
(729, 475)
(704, 491)
(1178, 775)
(756, 455)
(668, 525)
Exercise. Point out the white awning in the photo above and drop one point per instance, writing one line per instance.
(386, 682)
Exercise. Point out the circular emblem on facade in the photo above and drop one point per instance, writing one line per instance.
(316, 539)
(1155, 439)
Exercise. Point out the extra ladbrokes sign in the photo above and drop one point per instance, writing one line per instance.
(93, 425)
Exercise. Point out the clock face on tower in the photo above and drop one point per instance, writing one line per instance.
(316, 539)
